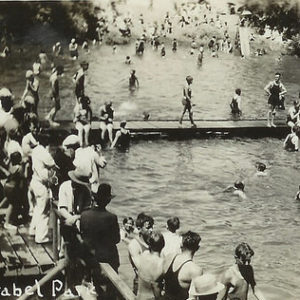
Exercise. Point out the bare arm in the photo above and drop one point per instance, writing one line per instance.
(267, 88)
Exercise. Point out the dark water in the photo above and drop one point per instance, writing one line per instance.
(182, 178)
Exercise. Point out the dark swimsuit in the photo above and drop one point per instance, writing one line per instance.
(173, 289)
(274, 97)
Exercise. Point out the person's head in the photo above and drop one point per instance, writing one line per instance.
(29, 75)
(73, 41)
(239, 185)
(70, 144)
(108, 104)
(189, 79)
(277, 76)
(173, 224)
(128, 224)
(60, 70)
(156, 242)
(123, 124)
(243, 254)
(132, 72)
(144, 224)
(127, 57)
(6, 99)
(84, 65)
(103, 195)
(238, 91)
(33, 124)
(16, 158)
(261, 167)
(190, 241)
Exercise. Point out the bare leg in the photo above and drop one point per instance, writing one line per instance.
(181, 118)
(110, 132)
(87, 135)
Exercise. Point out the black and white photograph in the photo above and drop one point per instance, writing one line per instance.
(149, 150)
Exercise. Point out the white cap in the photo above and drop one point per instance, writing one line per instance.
(71, 140)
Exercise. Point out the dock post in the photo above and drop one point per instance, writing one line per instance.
(54, 232)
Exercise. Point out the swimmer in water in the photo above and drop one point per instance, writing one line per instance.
(127, 60)
(174, 45)
(260, 169)
(133, 81)
(236, 103)
(163, 50)
(297, 197)
(291, 143)
(237, 189)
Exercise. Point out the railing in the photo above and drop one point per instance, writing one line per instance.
(121, 288)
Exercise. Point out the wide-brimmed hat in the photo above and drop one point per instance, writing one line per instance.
(206, 285)
(79, 177)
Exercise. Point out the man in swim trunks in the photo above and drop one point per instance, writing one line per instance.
(276, 91)
(78, 79)
(180, 269)
(54, 85)
(187, 100)
(133, 81)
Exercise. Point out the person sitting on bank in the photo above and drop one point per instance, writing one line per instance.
(122, 138)
(150, 269)
(291, 142)
(106, 120)
(83, 120)
(237, 189)
(236, 103)
(293, 115)
(180, 269)
(205, 287)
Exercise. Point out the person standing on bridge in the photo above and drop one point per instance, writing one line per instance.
(187, 100)
(276, 91)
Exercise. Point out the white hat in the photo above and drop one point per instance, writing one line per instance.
(5, 92)
(70, 141)
(72, 40)
(206, 285)
(29, 74)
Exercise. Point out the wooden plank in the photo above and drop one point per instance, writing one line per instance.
(29, 264)
(118, 283)
(44, 261)
(12, 261)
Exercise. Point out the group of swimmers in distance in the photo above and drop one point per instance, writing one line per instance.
(165, 267)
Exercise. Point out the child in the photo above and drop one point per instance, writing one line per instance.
(83, 119)
(127, 231)
(237, 189)
(236, 103)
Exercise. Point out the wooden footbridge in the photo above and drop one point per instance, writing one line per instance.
(171, 129)
(26, 263)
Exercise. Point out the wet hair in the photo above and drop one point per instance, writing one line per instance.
(238, 91)
(244, 252)
(156, 242)
(277, 73)
(125, 220)
(189, 78)
(123, 124)
(191, 241)
(142, 218)
(16, 158)
(260, 166)
(239, 185)
(173, 224)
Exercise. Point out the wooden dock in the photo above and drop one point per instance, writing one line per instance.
(170, 129)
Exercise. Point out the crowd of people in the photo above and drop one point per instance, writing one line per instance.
(36, 176)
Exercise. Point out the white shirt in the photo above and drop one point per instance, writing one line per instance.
(12, 146)
(4, 116)
(28, 143)
(66, 196)
(41, 159)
